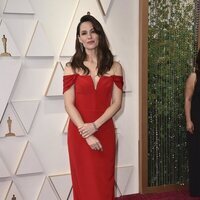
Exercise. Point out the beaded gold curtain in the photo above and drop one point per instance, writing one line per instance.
(172, 46)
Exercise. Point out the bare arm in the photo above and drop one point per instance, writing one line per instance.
(116, 101)
(69, 98)
(189, 89)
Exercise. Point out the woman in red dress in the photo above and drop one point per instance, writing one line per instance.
(92, 87)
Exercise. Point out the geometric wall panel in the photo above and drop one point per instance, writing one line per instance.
(104, 5)
(65, 129)
(25, 28)
(3, 170)
(9, 69)
(127, 86)
(63, 185)
(11, 123)
(19, 6)
(11, 149)
(123, 175)
(82, 9)
(13, 190)
(26, 110)
(39, 45)
(64, 61)
(47, 192)
(55, 87)
(30, 186)
(29, 163)
(10, 44)
(4, 188)
(65, 51)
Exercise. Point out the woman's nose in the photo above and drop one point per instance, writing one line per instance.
(89, 35)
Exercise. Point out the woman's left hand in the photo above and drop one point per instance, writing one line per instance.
(87, 129)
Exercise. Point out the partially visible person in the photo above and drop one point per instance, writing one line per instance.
(92, 90)
(192, 115)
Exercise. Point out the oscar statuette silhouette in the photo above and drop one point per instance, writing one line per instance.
(5, 53)
(9, 121)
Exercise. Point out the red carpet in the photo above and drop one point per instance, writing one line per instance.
(181, 195)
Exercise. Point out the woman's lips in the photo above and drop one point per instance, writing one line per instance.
(90, 42)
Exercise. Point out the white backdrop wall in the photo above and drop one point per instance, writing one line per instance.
(40, 37)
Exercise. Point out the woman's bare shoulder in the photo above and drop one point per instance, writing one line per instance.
(68, 69)
(117, 68)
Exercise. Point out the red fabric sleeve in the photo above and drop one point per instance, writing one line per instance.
(68, 81)
(118, 80)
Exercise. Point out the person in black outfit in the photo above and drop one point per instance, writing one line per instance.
(192, 115)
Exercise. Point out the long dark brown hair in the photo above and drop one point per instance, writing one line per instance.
(104, 55)
(197, 68)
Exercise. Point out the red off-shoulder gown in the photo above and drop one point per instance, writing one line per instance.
(92, 171)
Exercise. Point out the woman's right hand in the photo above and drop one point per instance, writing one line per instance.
(190, 127)
(94, 143)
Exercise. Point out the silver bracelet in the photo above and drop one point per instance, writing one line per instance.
(95, 127)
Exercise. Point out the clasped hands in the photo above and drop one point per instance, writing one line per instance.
(87, 130)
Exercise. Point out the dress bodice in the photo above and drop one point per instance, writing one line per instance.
(89, 98)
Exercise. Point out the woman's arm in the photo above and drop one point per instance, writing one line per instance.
(111, 110)
(189, 89)
(116, 100)
(69, 98)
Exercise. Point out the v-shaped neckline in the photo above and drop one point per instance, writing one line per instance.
(95, 85)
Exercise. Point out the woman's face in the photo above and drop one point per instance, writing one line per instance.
(88, 37)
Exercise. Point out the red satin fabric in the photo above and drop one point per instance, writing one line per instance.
(92, 171)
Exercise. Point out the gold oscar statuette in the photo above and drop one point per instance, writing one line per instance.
(5, 53)
(9, 121)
